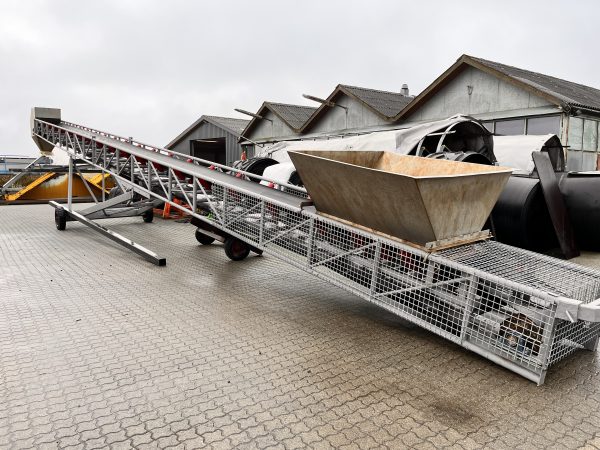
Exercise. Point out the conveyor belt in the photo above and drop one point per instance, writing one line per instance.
(194, 170)
(522, 310)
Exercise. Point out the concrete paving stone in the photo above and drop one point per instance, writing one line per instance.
(161, 432)
(68, 440)
(426, 446)
(141, 439)
(293, 443)
(239, 439)
(225, 444)
(194, 443)
(410, 439)
(310, 437)
(265, 441)
(169, 442)
(153, 445)
(117, 353)
(186, 435)
(122, 445)
(351, 446)
(97, 443)
(48, 446)
(22, 443)
(280, 446)
(118, 436)
(423, 431)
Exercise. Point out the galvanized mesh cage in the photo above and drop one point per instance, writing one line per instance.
(530, 269)
(496, 300)
(569, 337)
(492, 298)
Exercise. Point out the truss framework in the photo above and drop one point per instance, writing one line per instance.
(520, 309)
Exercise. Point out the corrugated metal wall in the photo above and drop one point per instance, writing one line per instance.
(207, 130)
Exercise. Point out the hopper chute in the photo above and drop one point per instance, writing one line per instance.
(416, 199)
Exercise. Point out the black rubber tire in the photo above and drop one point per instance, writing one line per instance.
(235, 249)
(148, 216)
(60, 219)
(203, 239)
(114, 192)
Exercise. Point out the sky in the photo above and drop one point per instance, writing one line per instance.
(148, 69)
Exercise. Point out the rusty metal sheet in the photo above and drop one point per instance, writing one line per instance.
(416, 199)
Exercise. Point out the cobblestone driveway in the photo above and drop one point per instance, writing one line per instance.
(100, 349)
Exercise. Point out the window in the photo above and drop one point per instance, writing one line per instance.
(590, 135)
(544, 125)
(510, 127)
(575, 137)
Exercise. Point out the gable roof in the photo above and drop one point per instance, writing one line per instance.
(236, 126)
(573, 94)
(556, 90)
(294, 116)
(229, 124)
(385, 104)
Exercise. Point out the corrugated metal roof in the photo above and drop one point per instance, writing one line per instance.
(236, 126)
(566, 91)
(386, 103)
(294, 115)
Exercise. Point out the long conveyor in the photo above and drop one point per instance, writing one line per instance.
(520, 309)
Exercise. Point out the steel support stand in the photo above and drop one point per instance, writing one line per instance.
(116, 237)
(70, 186)
(103, 173)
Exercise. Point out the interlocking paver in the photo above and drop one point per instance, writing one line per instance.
(99, 349)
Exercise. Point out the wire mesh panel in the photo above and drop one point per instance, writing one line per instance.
(342, 254)
(511, 323)
(243, 214)
(286, 232)
(214, 210)
(570, 337)
(433, 293)
(295, 192)
(530, 269)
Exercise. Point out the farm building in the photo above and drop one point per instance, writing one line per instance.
(212, 138)
(275, 122)
(513, 101)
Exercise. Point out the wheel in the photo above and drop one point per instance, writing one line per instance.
(60, 219)
(114, 192)
(235, 249)
(203, 239)
(148, 216)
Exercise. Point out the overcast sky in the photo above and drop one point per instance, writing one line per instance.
(148, 69)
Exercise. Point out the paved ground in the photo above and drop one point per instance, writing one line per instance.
(100, 349)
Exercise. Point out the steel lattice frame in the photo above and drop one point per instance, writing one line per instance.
(520, 309)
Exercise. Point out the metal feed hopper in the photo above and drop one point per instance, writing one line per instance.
(416, 199)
